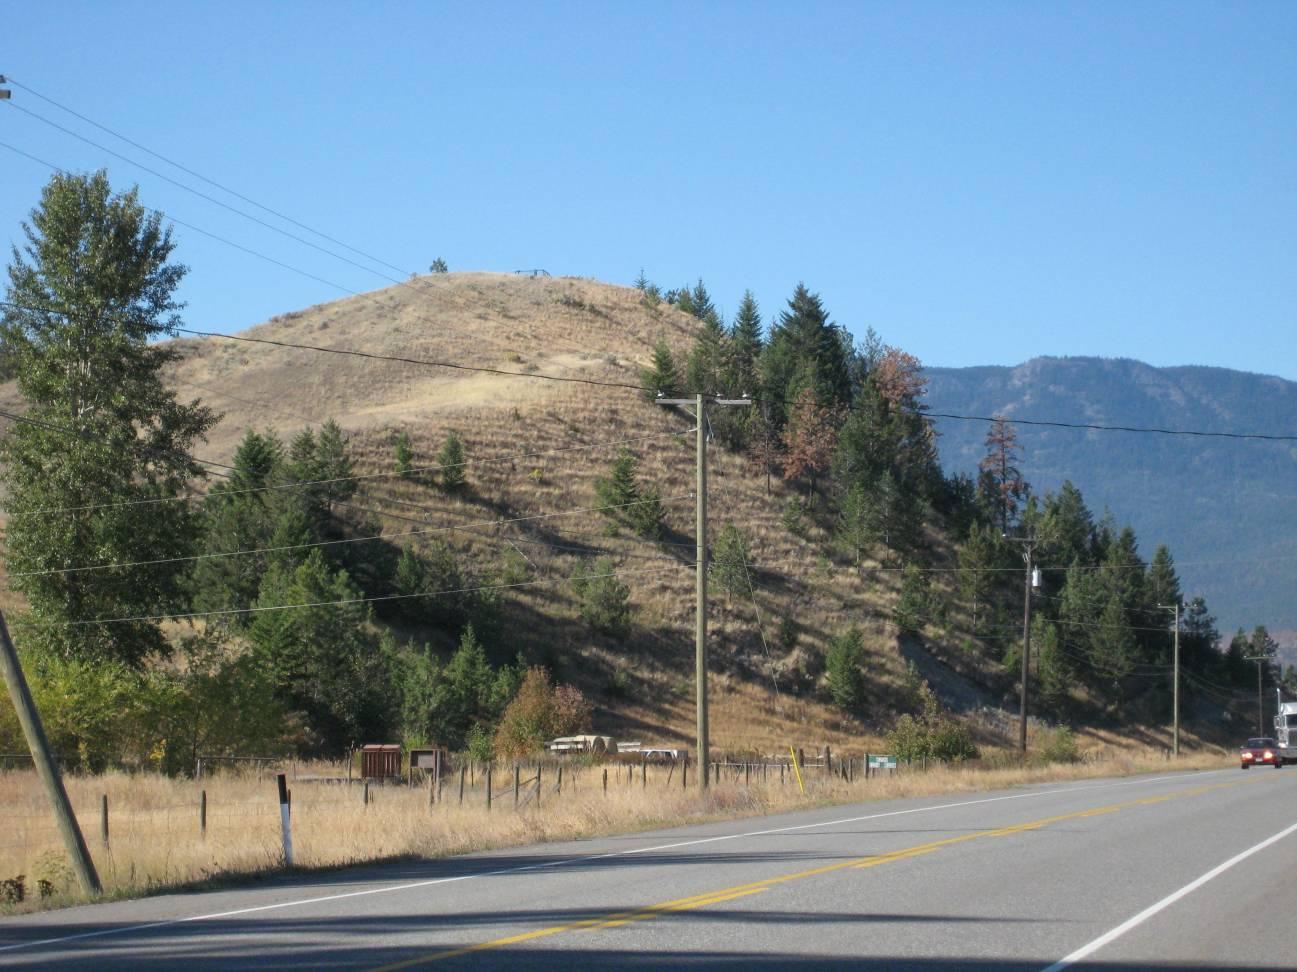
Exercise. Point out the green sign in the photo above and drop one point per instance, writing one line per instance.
(882, 762)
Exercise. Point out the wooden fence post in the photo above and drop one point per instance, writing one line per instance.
(516, 779)
(103, 819)
(558, 786)
(605, 781)
(463, 771)
(643, 773)
(684, 775)
(828, 760)
(202, 814)
(538, 786)
(488, 787)
(364, 794)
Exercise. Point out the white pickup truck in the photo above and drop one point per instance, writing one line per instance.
(1285, 731)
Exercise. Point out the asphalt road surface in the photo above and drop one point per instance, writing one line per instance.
(1181, 870)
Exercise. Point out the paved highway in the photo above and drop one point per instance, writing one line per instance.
(1185, 870)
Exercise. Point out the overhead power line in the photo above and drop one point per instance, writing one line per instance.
(202, 195)
(422, 362)
(197, 229)
(198, 175)
(301, 484)
(371, 600)
(1145, 430)
(331, 543)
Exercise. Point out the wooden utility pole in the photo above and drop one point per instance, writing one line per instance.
(1260, 701)
(1029, 548)
(700, 570)
(46, 768)
(1175, 683)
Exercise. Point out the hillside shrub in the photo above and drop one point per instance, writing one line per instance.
(1059, 746)
(604, 599)
(931, 734)
(538, 712)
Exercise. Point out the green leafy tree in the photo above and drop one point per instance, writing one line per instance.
(540, 711)
(439, 266)
(104, 439)
(451, 460)
(845, 669)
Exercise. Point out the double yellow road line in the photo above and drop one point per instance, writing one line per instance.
(616, 919)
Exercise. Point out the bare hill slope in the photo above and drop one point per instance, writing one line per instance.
(536, 448)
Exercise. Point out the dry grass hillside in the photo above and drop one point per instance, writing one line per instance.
(536, 449)
(573, 328)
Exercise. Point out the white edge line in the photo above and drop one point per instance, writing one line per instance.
(1170, 899)
(414, 885)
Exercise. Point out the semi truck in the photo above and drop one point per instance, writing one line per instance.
(1285, 729)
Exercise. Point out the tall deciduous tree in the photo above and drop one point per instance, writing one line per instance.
(91, 292)
(1001, 482)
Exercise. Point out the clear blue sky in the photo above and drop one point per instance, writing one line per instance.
(980, 182)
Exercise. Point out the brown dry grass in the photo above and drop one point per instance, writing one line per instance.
(154, 824)
(764, 691)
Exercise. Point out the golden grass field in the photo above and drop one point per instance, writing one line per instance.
(155, 842)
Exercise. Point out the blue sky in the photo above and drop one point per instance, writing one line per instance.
(980, 182)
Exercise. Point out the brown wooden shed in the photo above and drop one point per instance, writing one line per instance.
(380, 761)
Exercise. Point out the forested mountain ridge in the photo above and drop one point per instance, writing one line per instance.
(1221, 504)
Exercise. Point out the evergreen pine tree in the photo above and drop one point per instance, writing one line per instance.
(451, 460)
(661, 378)
(806, 350)
(844, 669)
(402, 453)
(1001, 483)
(238, 516)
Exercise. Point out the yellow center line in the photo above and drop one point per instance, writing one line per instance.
(648, 912)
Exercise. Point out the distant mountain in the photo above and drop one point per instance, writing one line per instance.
(1225, 507)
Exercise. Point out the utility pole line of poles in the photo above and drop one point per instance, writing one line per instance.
(1028, 553)
(1175, 690)
(46, 768)
(1260, 702)
(700, 571)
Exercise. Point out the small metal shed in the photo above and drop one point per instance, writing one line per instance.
(379, 761)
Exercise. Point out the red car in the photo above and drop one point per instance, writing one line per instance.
(1259, 752)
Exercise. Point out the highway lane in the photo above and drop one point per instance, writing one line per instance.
(1016, 879)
